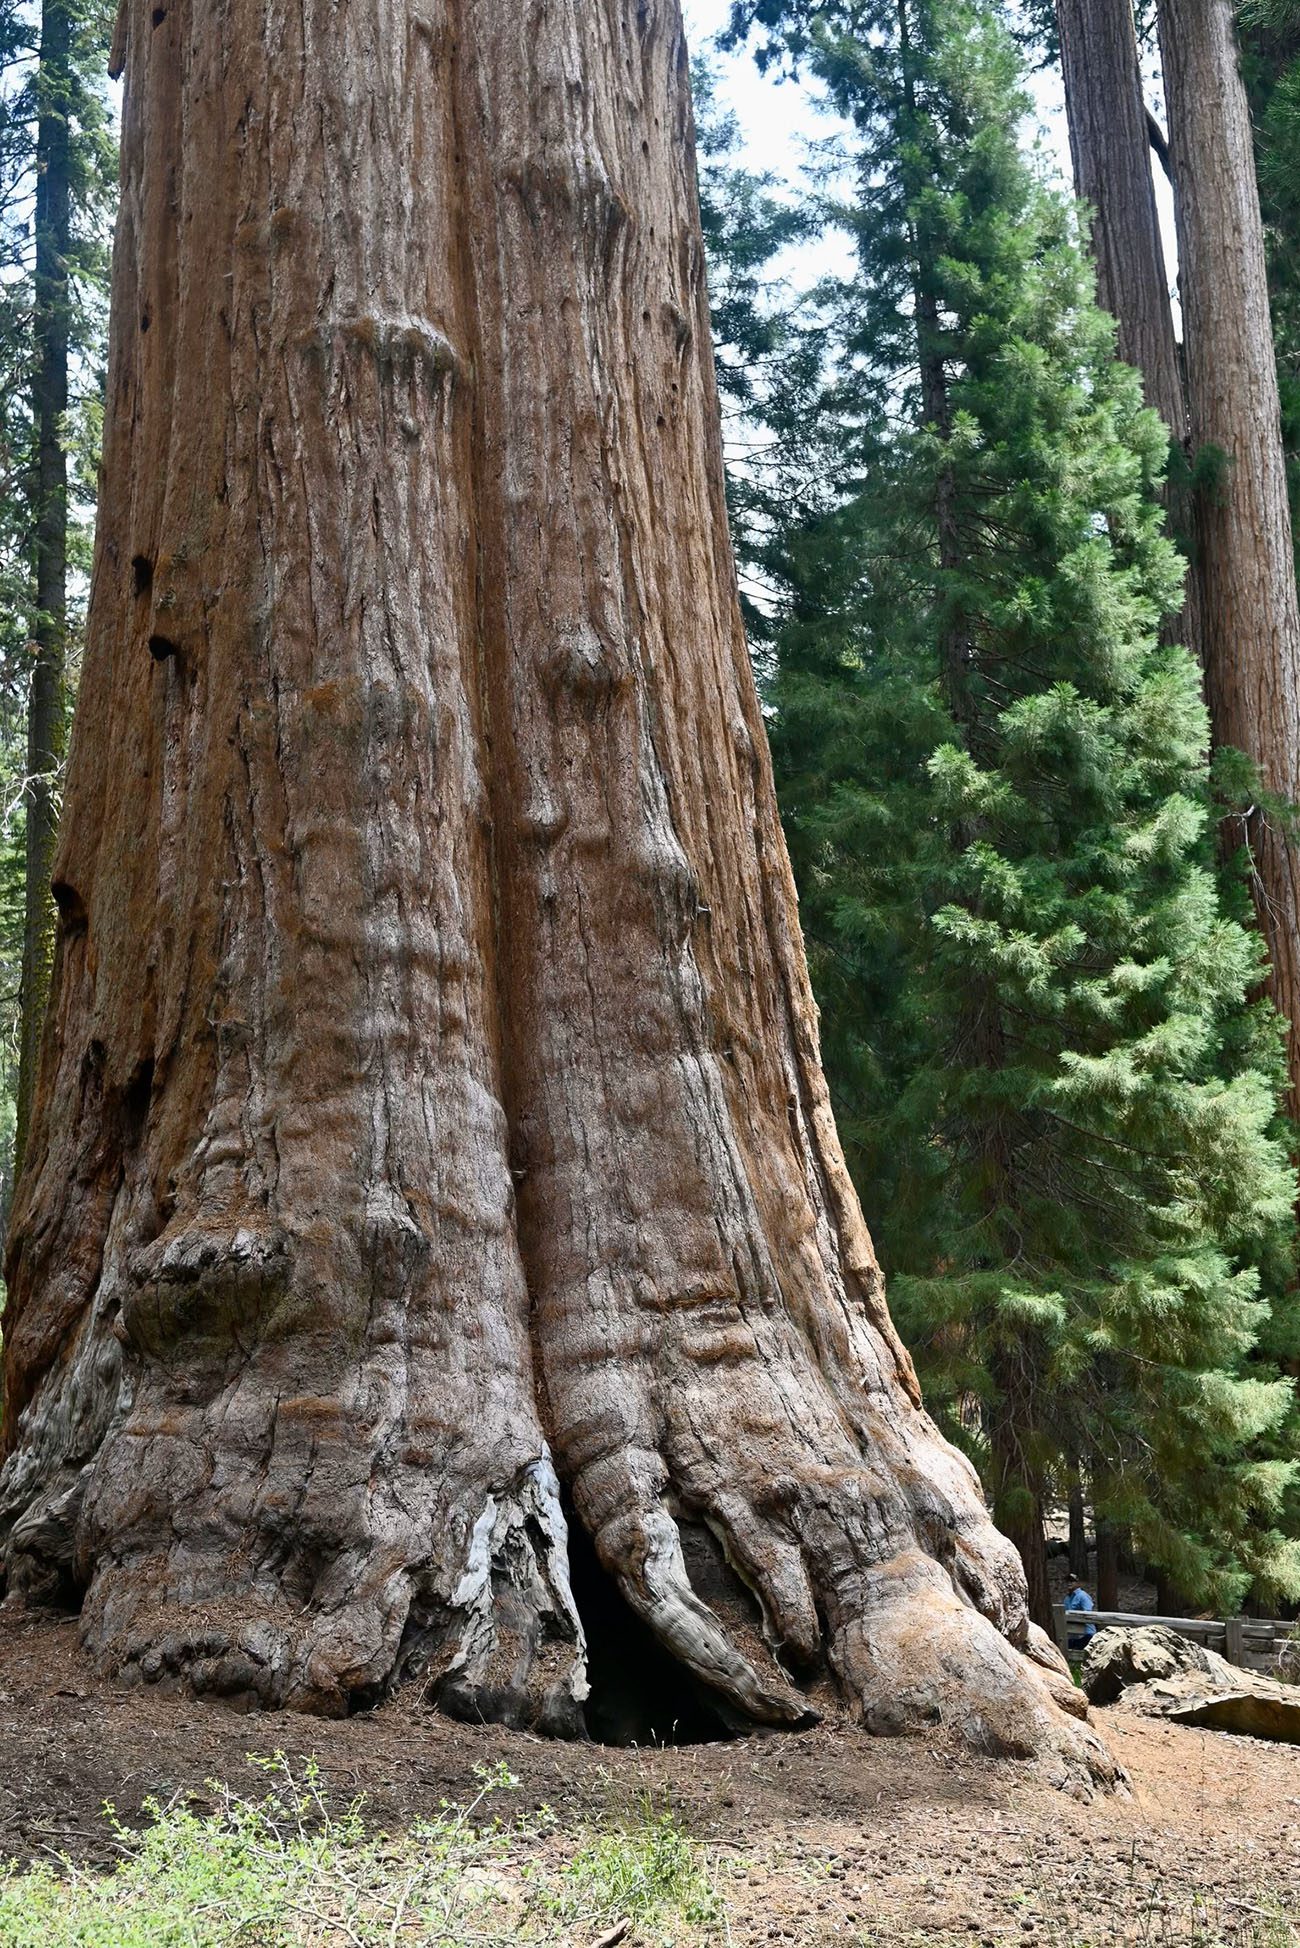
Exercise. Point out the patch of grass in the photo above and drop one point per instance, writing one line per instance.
(289, 1871)
(1189, 1931)
(1155, 1920)
(646, 1869)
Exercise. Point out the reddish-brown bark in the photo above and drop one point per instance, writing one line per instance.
(1111, 153)
(432, 1081)
(1110, 148)
(1245, 561)
(1107, 1565)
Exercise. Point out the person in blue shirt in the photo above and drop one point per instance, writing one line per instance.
(1078, 1600)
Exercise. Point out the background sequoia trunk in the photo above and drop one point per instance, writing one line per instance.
(1246, 566)
(1110, 148)
(1111, 152)
(431, 1082)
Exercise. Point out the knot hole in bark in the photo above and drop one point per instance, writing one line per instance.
(677, 326)
(70, 907)
(136, 1098)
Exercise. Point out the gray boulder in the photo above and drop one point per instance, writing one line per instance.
(1124, 1656)
(1155, 1671)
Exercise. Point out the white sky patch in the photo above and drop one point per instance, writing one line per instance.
(778, 119)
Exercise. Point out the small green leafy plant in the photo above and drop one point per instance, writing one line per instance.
(292, 1871)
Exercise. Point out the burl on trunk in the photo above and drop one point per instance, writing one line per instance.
(432, 1163)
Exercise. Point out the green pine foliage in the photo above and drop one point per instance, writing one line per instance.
(81, 96)
(1057, 1098)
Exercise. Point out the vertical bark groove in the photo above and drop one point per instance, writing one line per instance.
(485, 1112)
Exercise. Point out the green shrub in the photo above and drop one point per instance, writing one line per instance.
(289, 1871)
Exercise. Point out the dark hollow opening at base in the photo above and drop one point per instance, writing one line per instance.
(640, 1694)
(49, 1585)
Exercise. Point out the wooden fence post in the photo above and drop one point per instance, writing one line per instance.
(1234, 1640)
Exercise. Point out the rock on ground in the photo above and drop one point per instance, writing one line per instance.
(1154, 1671)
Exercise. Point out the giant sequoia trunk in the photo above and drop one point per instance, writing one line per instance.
(1246, 566)
(430, 1110)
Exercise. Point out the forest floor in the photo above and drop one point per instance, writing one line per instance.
(826, 1837)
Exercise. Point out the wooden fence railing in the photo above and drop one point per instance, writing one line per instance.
(1254, 1643)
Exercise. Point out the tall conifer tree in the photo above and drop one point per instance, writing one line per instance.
(1058, 1104)
(57, 173)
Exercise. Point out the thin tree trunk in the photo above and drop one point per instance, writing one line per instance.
(936, 411)
(1170, 1601)
(1018, 1499)
(1107, 1565)
(1078, 1528)
(1020, 1516)
(46, 705)
(1243, 525)
(432, 1109)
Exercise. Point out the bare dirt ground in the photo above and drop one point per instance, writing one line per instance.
(830, 1836)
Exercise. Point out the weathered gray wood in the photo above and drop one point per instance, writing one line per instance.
(1232, 1636)
(1186, 1626)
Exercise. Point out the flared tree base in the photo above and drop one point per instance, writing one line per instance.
(260, 1519)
